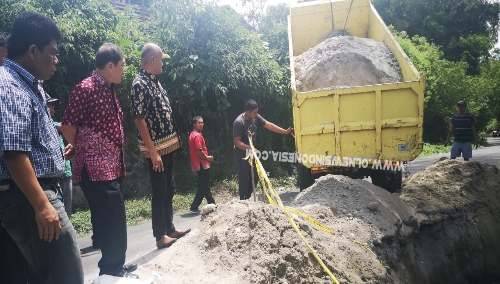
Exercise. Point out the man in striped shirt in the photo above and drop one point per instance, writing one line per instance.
(464, 130)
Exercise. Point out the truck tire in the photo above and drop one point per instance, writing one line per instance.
(381, 179)
(396, 181)
(305, 177)
(388, 180)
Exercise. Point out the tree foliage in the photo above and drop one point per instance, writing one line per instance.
(217, 64)
(465, 29)
(219, 61)
(447, 83)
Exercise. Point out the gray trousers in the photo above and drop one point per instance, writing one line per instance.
(58, 262)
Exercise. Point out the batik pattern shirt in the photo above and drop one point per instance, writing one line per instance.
(150, 101)
(94, 110)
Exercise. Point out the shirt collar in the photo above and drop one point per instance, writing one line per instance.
(148, 75)
(99, 78)
(23, 73)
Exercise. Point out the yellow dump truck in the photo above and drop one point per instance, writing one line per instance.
(358, 131)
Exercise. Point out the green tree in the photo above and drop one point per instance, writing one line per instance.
(465, 29)
(217, 64)
(274, 30)
(447, 83)
(86, 25)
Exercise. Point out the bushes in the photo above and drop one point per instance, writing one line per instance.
(217, 64)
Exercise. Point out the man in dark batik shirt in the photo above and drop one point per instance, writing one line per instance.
(158, 140)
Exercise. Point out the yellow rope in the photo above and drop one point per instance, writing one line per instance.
(265, 183)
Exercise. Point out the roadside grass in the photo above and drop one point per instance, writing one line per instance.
(138, 210)
(434, 149)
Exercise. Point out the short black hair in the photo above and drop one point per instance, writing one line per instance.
(30, 28)
(195, 119)
(108, 52)
(251, 105)
(3, 40)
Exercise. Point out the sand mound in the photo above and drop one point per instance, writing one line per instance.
(442, 229)
(345, 61)
(246, 242)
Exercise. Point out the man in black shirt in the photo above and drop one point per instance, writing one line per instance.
(464, 130)
(244, 123)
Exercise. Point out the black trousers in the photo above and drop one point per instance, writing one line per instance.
(203, 189)
(163, 189)
(109, 221)
(245, 178)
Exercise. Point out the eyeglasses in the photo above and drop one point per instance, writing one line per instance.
(54, 55)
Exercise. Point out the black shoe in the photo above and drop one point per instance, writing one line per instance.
(130, 267)
(194, 211)
(125, 274)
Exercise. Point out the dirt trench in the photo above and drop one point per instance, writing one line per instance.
(443, 228)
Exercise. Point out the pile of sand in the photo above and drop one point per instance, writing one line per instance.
(442, 229)
(345, 61)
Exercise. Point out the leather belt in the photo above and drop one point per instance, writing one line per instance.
(5, 183)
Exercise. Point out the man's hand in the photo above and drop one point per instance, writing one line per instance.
(289, 130)
(210, 158)
(156, 160)
(446, 142)
(476, 144)
(69, 152)
(48, 223)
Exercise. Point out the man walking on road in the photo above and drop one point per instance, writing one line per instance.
(244, 123)
(158, 139)
(31, 209)
(464, 130)
(200, 164)
(93, 124)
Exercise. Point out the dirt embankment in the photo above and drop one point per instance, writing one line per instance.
(443, 228)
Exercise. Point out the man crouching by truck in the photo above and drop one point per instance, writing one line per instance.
(244, 123)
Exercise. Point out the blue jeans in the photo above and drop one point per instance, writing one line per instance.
(461, 148)
(58, 262)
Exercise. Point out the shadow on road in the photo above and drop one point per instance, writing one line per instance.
(189, 215)
(147, 257)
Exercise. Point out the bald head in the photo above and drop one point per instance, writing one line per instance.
(150, 49)
(151, 58)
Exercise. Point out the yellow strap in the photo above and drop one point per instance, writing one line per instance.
(265, 183)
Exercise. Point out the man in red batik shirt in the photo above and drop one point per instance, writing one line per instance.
(93, 124)
(200, 164)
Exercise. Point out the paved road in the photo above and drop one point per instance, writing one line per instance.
(489, 154)
(141, 243)
(141, 246)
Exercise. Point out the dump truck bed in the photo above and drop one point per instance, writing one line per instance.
(375, 122)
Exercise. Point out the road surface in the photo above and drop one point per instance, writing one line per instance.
(142, 245)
